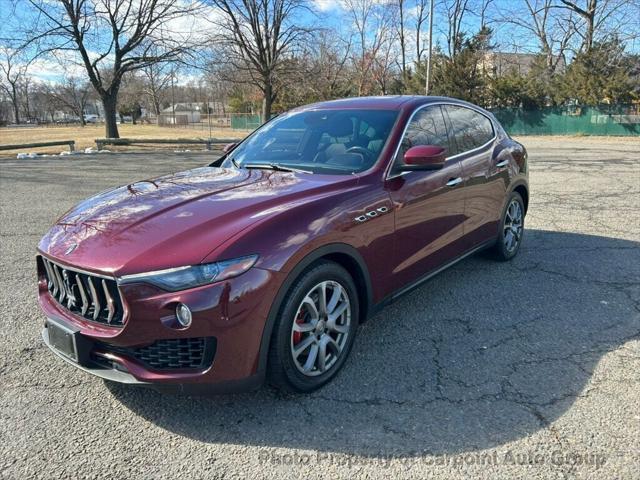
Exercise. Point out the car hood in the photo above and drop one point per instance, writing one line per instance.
(173, 220)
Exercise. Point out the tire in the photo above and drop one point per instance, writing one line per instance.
(305, 371)
(511, 231)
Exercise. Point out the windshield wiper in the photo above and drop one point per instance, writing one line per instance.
(276, 166)
(235, 163)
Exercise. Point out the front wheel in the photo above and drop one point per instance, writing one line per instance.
(315, 329)
(511, 229)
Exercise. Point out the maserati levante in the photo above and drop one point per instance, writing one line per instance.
(262, 264)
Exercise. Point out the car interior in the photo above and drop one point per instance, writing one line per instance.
(342, 141)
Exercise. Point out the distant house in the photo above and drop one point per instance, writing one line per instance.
(184, 113)
(181, 114)
(498, 64)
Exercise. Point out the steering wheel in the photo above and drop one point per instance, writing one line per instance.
(366, 154)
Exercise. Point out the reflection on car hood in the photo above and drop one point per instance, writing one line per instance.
(173, 220)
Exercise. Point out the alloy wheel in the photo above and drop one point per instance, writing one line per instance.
(513, 226)
(321, 328)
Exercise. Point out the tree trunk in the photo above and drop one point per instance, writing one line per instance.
(111, 127)
(588, 41)
(16, 112)
(81, 110)
(16, 107)
(267, 101)
(403, 45)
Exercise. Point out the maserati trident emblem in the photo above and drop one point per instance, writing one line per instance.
(71, 248)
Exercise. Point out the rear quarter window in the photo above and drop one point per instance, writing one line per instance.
(469, 129)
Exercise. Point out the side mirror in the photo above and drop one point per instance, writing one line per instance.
(423, 157)
(228, 147)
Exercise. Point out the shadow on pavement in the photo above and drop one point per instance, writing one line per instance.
(483, 354)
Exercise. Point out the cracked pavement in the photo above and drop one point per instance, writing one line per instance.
(490, 370)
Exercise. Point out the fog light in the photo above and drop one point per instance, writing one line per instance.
(183, 314)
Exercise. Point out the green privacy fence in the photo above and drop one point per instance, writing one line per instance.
(245, 121)
(621, 120)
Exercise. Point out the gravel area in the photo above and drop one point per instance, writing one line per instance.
(491, 370)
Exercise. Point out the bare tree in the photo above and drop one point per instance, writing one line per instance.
(329, 71)
(372, 22)
(25, 93)
(43, 105)
(402, 37)
(111, 38)
(218, 90)
(588, 14)
(72, 94)
(602, 16)
(132, 94)
(484, 8)
(421, 9)
(157, 80)
(552, 27)
(256, 37)
(383, 66)
(14, 70)
(5, 109)
(456, 10)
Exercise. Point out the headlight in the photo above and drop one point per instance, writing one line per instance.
(181, 278)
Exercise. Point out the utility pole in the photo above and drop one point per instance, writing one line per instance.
(428, 74)
(209, 114)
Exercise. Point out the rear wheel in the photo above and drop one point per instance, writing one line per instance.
(511, 229)
(315, 330)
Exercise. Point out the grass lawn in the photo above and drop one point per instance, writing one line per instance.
(85, 136)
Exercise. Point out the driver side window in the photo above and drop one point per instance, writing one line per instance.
(427, 127)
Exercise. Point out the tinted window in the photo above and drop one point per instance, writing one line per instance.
(323, 141)
(427, 127)
(469, 128)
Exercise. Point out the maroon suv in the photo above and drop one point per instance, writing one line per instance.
(263, 263)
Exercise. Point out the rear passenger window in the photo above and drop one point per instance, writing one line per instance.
(469, 128)
(427, 127)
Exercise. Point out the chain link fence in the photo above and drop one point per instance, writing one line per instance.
(203, 121)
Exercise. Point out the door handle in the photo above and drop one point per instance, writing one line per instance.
(503, 163)
(454, 181)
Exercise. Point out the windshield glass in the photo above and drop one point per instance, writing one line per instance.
(318, 141)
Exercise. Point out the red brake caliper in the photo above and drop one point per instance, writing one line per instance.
(297, 336)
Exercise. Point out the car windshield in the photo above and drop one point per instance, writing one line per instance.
(317, 141)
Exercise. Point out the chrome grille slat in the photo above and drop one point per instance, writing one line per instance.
(83, 297)
(63, 290)
(78, 292)
(70, 290)
(94, 296)
(51, 282)
(110, 303)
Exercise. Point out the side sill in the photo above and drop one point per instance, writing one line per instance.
(412, 286)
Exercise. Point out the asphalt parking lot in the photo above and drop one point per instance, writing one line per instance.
(493, 370)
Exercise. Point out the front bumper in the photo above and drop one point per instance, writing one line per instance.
(112, 374)
(232, 312)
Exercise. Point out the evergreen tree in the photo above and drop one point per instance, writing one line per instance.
(600, 75)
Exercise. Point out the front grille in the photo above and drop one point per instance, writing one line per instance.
(175, 353)
(92, 297)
